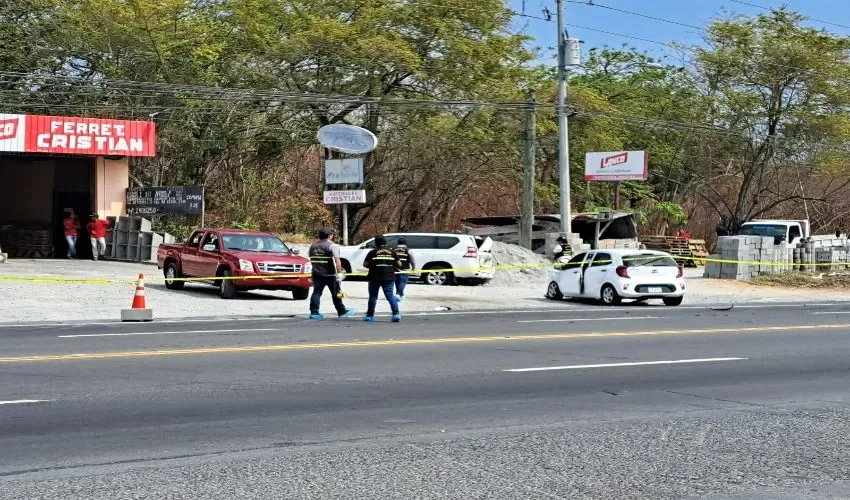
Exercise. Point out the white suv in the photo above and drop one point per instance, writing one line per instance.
(443, 258)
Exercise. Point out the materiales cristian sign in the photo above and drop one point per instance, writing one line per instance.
(345, 197)
(82, 136)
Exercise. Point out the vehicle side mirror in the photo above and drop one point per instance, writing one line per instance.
(209, 247)
(295, 251)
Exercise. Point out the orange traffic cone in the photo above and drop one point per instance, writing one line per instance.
(139, 311)
(139, 296)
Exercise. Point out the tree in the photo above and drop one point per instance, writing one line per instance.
(780, 89)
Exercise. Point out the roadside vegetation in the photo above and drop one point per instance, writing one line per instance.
(751, 123)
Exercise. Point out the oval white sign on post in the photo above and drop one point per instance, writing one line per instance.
(347, 139)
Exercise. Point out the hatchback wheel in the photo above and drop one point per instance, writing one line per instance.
(553, 292)
(609, 296)
(673, 301)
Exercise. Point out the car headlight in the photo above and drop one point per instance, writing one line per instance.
(308, 268)
(246, 265)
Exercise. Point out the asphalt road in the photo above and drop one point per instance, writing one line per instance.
(631, 402)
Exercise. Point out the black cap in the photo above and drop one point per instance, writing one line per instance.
(326, 232)
(380, 241)
(562, 239)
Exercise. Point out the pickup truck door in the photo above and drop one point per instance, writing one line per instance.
(208, 260)
(359, 255)
(189, 254)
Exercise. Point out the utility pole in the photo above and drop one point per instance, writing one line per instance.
(526, 224)
(563, 130)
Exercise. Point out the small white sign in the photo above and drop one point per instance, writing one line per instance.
(345, 197)
(346, 171)
(347, 139)
(616, 166)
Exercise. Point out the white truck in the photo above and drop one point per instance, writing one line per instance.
(787, 232)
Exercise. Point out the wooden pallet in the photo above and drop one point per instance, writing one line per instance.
(689, 253)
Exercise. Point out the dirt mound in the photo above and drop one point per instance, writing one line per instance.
(515, 255)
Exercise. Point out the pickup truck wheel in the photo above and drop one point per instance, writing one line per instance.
(300, 293)
(171, 272)
(226, 288)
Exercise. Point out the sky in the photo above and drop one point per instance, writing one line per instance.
(580, 17)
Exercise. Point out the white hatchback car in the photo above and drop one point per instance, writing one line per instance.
(442, 258)
(616, 274)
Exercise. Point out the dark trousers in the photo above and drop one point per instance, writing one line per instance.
(401, 283)
(319, 285)
(374, 287)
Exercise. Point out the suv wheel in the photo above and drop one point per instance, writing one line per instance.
(300, 293)
(436, 277)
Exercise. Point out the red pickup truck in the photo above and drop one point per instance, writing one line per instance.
(253, 260)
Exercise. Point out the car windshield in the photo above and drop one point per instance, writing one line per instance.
(255, 243)
(650, 260)
(774, 230)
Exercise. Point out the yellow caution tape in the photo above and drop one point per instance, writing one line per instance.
(556, 266)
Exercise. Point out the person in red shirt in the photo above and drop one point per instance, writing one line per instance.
(70, 225)
(97, 234)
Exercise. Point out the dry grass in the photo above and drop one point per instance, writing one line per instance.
(805, 280)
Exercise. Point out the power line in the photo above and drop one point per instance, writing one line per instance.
(763, 7)
(591, 3)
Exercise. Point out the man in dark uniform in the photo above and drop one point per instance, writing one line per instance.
(560, 248)
(382, 263)
(407, 264)
(327, 273)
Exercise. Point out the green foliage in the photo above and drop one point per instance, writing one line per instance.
(758, 123)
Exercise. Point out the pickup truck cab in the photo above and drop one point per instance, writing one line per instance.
(247, 260)
(784, 232)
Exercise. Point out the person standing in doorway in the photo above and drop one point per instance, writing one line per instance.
(70, 225)
(407, 265)
(382, 263)
(327, 273)
(97, 233)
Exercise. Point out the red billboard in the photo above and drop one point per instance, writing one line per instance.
(82, 136)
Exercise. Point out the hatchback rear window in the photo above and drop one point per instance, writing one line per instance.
(649, 260)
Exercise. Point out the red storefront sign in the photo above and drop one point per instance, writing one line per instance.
(83, 136)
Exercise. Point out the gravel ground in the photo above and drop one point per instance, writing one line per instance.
(796, 453)
(51, 301)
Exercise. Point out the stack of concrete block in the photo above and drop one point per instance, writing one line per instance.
(742, 258)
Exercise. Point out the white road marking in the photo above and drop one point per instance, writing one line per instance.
(831, 312)
(612, 365)
(601, 309)
(169, 333)
(24, 401)
(561, 320)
